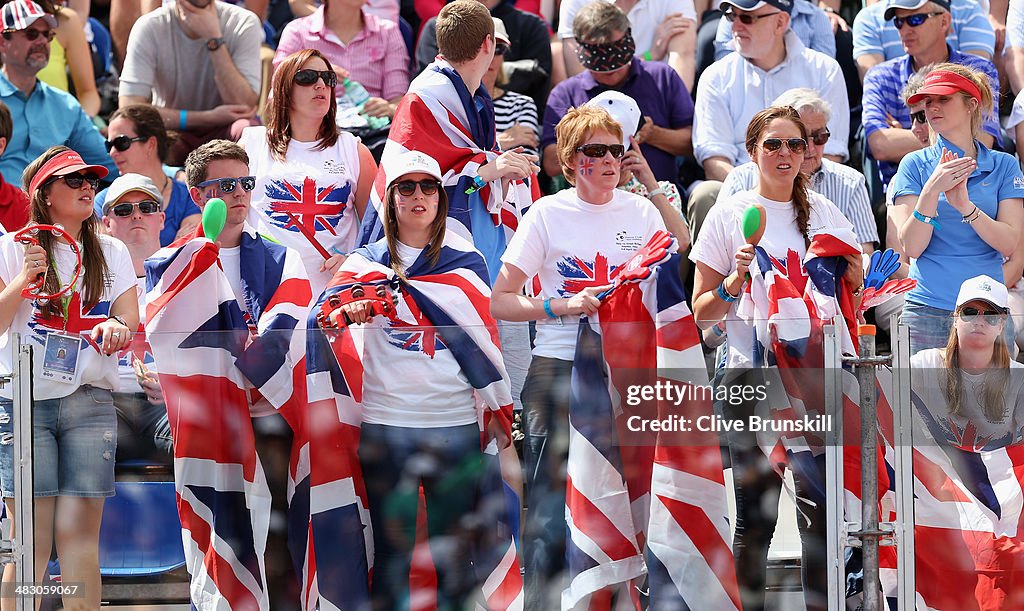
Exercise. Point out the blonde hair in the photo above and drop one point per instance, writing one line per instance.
(575, 127)
(980, 79)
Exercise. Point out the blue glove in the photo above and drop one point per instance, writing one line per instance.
(883, 264)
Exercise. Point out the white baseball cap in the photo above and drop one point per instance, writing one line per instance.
(410, 162)
(983, 288)
(623, 109)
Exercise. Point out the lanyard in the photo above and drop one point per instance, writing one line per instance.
(65, 302)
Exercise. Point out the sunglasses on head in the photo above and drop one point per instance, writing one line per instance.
(227, 185)
(796, 145)
(32, 34)
(307, 78)
(820, 137)
(913, 20)
(746, 18)
(146, 206)
(918, 117)
(123, 143)
(501, 49)
(75, 181)
(992, 317)
(428, 186)
(597, 151)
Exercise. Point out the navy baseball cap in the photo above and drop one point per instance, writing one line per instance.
(753, 5)
(894, 5)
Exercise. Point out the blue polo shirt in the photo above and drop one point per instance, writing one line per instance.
(956, 252)
(658, 91)
(884, 82)
(175, 210)
(46, 118)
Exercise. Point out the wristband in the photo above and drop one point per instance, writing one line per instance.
(117, 318)
(547, 308)
(647, 56)
(724, 295)
(973, 216)
(478, 183)
(659, 191)
(182, 120)
(927, 220)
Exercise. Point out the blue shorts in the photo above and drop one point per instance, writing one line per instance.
(75, 441)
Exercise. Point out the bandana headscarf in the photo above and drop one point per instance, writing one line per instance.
(606, 57)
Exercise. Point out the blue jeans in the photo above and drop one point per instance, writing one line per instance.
(143, 431)
(74, 443)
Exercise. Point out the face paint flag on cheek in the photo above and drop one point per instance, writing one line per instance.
(607, 57)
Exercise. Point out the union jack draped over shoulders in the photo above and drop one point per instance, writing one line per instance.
(218, 366)
(451, 297)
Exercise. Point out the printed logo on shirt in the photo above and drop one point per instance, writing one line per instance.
(578, 274)
(307, 208)
(78, 322)
(629, 242)
(333, 166)
(1018, 182)
(414, 338)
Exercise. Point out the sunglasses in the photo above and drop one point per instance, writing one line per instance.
(123, 143)
(918, 117)
(227, 185)
(746, 18)
(75, 181)
(32, 34)
(796, 145)
(597, 151)
(913, 20)
(501, 49)
(991, 317)
(428, 186)
(146, 206)
(307, 78)
(819, 137)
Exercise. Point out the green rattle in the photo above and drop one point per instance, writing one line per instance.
(215, 214)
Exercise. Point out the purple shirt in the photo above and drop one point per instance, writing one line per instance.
(658, 91)
(376, 58)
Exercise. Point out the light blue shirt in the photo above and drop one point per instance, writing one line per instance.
(971, 31)
(956, 252)
(46, 118)
(808, 22)
(732, 90)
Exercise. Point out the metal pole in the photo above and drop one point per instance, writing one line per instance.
(869, 532)
(906, 575)
(835, 542)
(24, 488)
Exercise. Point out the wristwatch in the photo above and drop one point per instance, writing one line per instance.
(214, 43)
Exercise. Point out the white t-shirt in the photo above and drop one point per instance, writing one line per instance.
(231, 263)
(644, 18)
(721, 236)
(570, 245)
(410, 378)
(94, 368)
(139, 347)
(928, 383)
(307, 200)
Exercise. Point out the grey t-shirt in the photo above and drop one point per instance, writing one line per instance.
(175, 71)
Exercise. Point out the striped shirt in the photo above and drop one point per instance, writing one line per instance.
(512, 108)
(810, 24)
(971, 31)
(1015, 25)
(883, 84)
(839, 184)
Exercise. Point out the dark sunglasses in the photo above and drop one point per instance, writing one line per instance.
(227, 185)
(796, 145)
(428, 186)
(991, 317)
(746, 18)
(32, 34)
(75, 180)
(501, 49)
(918, 117)
(123, 143)
(307, 78)
(146, 206)
(597, 151)
(820, 137)
(913, 20)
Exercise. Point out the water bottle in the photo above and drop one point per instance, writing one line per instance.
(358, 95)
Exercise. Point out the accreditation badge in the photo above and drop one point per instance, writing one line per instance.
(60, 358)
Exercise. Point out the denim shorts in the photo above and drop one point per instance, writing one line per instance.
(75, 441)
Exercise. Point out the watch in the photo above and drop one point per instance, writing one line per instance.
(214, 43)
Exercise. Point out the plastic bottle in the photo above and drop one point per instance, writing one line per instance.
(358, 96)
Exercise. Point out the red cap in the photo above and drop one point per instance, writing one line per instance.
(944, 82)
(68, 162)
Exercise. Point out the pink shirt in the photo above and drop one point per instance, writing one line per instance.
(376, 57)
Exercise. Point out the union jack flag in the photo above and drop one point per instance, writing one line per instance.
(439, 118)
(578, 274)
(216, 375)
(307, 208)
(452, 296)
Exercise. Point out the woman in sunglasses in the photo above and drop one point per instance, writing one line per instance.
(958, 206)
(776, 141)
(313, 181)
(138, 143)
(74, 423)
(421, 425)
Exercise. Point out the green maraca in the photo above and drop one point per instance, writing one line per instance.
(215, 214)
(753, 223)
